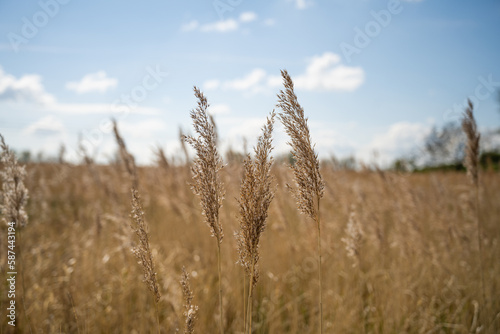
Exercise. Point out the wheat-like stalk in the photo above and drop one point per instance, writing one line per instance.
(309, 183)
(206, 179)
(353, 241)
(127, 158)
(161, 158)
(143, 251)
(256, 194)
(62, 153)
(12, 207)
(471, 162)
(206, 166)
(14, 193)
(190, 310)
(184, 147)
(354, 238)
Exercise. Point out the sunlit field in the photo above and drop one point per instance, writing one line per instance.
(415, 269)
(250, 167)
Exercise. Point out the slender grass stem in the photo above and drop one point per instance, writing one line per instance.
(319, 269)
(21, 269)
(157, 317)
(479, 243)
(250, 299)
(220, 287)
(244, 303)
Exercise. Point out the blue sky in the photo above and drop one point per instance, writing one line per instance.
(372, 76)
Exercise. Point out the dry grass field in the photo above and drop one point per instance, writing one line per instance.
(415, 267)
(366, 252)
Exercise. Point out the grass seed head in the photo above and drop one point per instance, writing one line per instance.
(143, 251)
(206, 166)
(354, 237)
(256, 194)
(190, 310)
(14, 193)
(472, 149)
(127, 158)
(309, 183)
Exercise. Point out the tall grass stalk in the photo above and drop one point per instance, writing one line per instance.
(143, 251)
(12, 207)
(206, 179)
(256, 194)
(190, 310)
(353, 240)
(471, 162)
(309, 185)
(127, 158)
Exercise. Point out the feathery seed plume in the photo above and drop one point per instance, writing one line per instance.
(14, 193)
(143, 251)
(127, 158)
(472, 150)
(256, 194)
(206, 166)
(354, 238)
(206, 178)
(190, 310)
(309, 183)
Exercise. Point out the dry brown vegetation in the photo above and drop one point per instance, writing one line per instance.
(418, 266)
(400, 251)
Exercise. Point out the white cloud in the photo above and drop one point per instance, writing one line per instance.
(211, 84)
(142, 129)
(252, 81)
(303, 4)
(333, 137)
(326, 73)
(400, 138)
(323, 73)
(219, 109)
(274, 80)
(190, 26)
(269, 22)
(221, 25)
(98, 81)
(27, 88)
(248, 17)
(49, 125)
(100, 108)
(490, 139)
(239, 128)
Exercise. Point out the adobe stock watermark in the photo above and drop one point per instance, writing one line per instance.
(483, 91)
(31, 26)
(223, 6)
(363, 37)
(121, 108)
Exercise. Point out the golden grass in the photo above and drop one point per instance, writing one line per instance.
(471, 162)
(190, 310)
(419, 274)
(206, 178)
(400, 253)
(142, 251)
(256, 195)
(309, 184)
